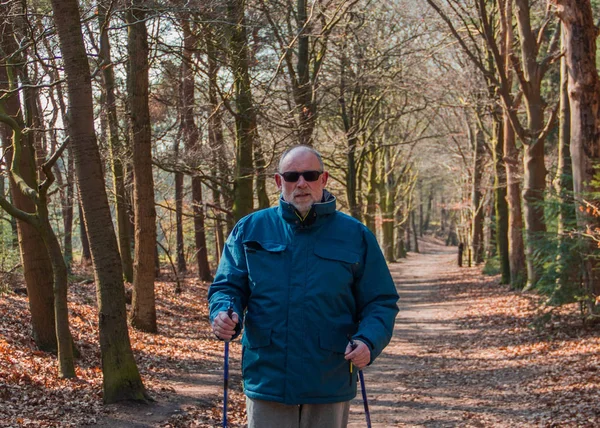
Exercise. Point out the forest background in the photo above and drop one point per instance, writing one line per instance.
(135, 134)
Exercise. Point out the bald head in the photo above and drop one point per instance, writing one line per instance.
(296, 150)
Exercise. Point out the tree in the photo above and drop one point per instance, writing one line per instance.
(143, 311)
(121, 378)
(192, 143)
(477, 197)
(245, 116)
(118, 151)
(302, 33)
(40, 220)
(37, 268)
(584, 99)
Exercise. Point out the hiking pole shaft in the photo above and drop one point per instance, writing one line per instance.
(226, 370)
(364, 396)
(225, 383)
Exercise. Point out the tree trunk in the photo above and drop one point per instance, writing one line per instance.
(143, 304)
(200, 233)
(118, 151)
(181, 265)
(244, 122)
(476, 198)
(37, 268)
(501, 204)
(388, 206)
(415, 230)
(370, 212)
(66, 186)
(192, 143)
(563, 183)
(407, 230)
(121, 380)
(39, 220)
(304, 91)
(534, 177)
(261, 174)
(86, 255)
(215, 142)
(66, 361)
(516, 244)
(534, 185)
(584, 97)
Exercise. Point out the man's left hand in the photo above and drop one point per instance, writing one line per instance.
(360, 356)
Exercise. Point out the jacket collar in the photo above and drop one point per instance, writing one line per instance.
(316, 214)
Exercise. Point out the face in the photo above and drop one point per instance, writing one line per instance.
(301, 194)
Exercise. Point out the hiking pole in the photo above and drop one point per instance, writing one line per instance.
(353, 345)
(226, 369)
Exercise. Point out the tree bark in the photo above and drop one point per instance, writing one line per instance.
(476, 198)
(121, 378)
(501, 204)
(143, 305)
(181, 265)
(200, 232)
(86, 255)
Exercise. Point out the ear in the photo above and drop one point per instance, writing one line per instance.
(324, 178)
(278, 180)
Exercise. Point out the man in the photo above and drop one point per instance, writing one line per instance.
(307, 278)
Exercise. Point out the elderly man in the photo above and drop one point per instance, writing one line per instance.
(303, 278)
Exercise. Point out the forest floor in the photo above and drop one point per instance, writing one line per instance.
(466, 352)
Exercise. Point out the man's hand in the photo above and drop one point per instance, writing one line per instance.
(360, 356)
(223, 326)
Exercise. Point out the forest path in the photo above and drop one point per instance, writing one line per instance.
(428, 376)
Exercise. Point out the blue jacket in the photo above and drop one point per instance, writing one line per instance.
(303, 286)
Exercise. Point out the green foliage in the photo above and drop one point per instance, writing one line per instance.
(559, 255)
(492, 266)
(561, 280)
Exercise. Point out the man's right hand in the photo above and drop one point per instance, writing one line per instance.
(223, 326)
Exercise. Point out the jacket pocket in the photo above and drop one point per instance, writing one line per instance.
(262, 367)
(257, 246)
(337, 254)
(254, 338)
(330, 375)
(335, 341)
(337, 266)
(266, 264)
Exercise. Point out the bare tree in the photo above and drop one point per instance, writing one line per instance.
(121, 379)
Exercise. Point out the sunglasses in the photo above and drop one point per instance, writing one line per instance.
(293, 176)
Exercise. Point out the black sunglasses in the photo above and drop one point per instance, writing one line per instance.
(293, 176)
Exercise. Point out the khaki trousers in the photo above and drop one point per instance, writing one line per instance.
(269, 414)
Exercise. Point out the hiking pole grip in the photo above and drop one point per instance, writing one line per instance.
(363, 390)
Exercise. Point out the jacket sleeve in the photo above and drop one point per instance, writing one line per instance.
(376, 299)
(231, 279)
